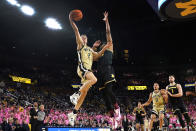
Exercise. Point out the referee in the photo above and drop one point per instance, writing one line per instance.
(40, 118)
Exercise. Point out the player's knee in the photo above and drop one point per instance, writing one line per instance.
(153, 117)
(84, 91)
(93, 80)
(161, 117)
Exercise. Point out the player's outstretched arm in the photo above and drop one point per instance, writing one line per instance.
(96, 55)
(76, 31)
(96, 45)
(149, 101)
(108, 31)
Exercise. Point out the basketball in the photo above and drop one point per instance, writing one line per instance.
(76, 15)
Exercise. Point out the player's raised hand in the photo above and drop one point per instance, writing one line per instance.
(105, 16)
(97, 43)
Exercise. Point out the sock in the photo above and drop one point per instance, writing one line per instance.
(75, 111)
(160, 128)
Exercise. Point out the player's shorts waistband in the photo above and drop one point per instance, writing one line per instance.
(83, 68)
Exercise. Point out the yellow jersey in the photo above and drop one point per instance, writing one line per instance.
(158, 101)
(85, 57)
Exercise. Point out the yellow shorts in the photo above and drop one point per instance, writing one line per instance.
(158, 110)
(82, 74)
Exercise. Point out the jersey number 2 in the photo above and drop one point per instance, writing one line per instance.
(89, 55)
(157, 99)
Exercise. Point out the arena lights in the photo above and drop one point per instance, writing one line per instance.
(27, 10)
(14, 2)
(53, 24)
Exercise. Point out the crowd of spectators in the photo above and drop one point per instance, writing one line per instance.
(52, 89)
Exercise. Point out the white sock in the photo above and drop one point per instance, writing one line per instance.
(160, 128)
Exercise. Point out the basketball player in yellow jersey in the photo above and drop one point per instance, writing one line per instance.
(85, 60)
(159, 99)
